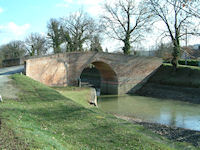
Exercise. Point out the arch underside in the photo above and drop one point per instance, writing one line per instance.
(108, 78)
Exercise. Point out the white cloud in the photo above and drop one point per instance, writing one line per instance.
(68, 1)
(65, 3)
(42, 33)
(89, 2)
(16, 29)
(95, 10)
(1, 10)
(93, 7)
(62, 5)
(12, 31)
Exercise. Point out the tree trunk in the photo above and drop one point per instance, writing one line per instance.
(175, 63)
(127, 46)
(175, 54)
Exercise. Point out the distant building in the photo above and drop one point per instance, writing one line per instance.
(195, 47)
(191, 52)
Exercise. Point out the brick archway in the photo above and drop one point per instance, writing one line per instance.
(109, 79)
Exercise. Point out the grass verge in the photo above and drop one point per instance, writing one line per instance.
(42, 118)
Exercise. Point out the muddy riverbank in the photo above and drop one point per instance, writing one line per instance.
(172, 133)
(181, 85)
(156, 90)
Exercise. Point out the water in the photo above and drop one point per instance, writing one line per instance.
(168, 112)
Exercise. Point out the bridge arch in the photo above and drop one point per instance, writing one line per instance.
(108, 79)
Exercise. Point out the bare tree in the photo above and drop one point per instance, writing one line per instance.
(14, 49)
(54, 34)
(78, 28)
(175, 15)
(36, 44)
(187, 7)
(126, 21)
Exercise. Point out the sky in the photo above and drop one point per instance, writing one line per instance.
(19, 18)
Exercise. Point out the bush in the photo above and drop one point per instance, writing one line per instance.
(190, 62)
(167, 61)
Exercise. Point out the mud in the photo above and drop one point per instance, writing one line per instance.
(171, 133)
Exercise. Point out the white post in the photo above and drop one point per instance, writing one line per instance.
(1, 100)
(93, 99)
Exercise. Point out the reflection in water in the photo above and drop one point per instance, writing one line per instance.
(168, 112)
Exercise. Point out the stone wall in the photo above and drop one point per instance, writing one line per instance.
(119, 73)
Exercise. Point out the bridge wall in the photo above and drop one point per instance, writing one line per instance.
(120, 74)
(47, 70)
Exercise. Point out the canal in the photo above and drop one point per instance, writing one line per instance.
(167, 112)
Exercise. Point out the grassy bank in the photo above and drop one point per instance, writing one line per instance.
(185, 76)
(182, 85)
(42, 118)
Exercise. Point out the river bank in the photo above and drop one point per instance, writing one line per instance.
(156, 90)
(182, 85)
(43, 118)
(172, 133)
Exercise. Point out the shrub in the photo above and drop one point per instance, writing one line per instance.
(190, 62)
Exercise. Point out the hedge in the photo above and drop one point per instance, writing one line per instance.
(190, 62)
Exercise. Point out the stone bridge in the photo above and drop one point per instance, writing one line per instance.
(119, 73)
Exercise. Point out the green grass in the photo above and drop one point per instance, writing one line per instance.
(185, 76)
(78, 95)
(42, 118)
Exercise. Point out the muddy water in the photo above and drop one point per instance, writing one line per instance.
(168, 112)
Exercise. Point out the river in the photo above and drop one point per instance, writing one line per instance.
(168, 112)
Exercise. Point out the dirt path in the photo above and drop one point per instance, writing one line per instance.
(6, 88)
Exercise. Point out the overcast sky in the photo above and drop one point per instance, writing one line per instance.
(18, 18)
